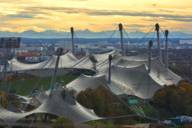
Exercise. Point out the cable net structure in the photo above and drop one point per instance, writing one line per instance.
(129, 75)
(66, 61)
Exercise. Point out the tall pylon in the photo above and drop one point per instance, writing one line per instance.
(53, 80)
(121, 36)
(150, 45)
(72, 40)
(157, 28)
(109, 72)
(166, 49)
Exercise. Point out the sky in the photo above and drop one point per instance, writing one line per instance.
(95, 15)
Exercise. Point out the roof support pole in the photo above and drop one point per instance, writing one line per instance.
(53, 80)
(166, 49)
(94, 61)
(121, 36)
(157, 28)
(95, 66)
(150, 45)
(72, 40)
(109, 72)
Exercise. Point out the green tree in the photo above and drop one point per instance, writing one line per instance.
(62, 122)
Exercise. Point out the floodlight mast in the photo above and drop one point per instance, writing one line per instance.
(5, 62)
(8, 43)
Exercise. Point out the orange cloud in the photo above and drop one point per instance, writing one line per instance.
(96, 15)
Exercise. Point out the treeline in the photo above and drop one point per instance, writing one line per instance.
(174, 100)
(103, 102)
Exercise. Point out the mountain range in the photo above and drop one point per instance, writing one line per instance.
(89, 34)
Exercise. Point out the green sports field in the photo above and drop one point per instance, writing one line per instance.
(24, 85)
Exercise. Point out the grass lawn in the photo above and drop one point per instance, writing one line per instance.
(25, 85)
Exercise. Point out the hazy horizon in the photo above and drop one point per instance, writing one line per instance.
(90, 34)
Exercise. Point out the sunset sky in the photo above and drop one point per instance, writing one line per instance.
(95, 15)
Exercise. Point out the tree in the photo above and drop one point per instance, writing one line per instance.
(62, 122)
(174, 100)
(102, 101)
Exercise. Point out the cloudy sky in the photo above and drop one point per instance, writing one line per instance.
(95, 15)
